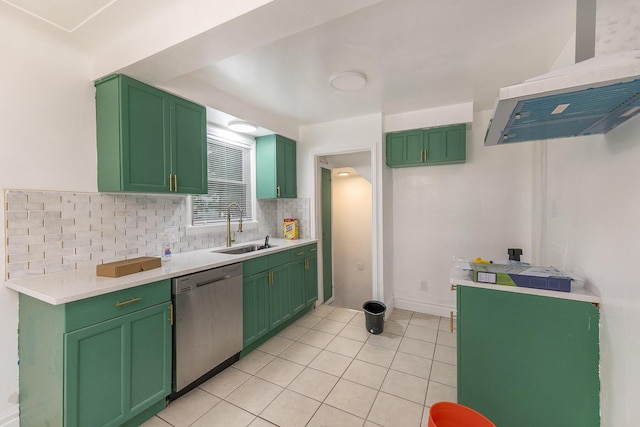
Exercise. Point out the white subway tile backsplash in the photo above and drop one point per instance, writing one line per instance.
(49, 231)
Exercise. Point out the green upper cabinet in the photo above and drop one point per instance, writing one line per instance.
(424, 147)
(405, 148)
(149, 140)
(275, 167)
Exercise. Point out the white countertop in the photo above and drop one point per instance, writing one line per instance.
(578, 292)
(68, 286)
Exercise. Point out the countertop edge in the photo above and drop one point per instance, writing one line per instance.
(64, 287)
(583, 296)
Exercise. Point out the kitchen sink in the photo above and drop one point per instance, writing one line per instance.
(243, 249)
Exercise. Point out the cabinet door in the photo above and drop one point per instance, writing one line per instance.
(311, 278)
(446, 144)
(117, 368)
(275, 167)
(189, 146)
(526, 360)
(286, 168)
(255, 307)
(280, 304)
(146, 152)
(150, 368)
(405, 148)
(298, 279)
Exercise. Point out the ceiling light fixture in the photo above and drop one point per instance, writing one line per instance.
(242, 126)
(348, 80)
(343, 173)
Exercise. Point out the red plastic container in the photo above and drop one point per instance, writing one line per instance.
(449, 414)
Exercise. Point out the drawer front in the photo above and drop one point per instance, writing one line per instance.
(311, 250)
(104, 307)
(303, 251)
(298, 253)
(255, 265)
(279, 258)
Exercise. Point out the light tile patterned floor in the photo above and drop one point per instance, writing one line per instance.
(327, 370)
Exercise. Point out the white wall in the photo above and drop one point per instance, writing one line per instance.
(476, 209)
(352, 245)
(47, 141)
(592, 212)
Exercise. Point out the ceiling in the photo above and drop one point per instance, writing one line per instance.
(277, 58)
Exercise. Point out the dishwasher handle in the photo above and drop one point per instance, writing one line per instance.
(209, 282)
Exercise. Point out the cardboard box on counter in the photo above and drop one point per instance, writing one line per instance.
(128, 266)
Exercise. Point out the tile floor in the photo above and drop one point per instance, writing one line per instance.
(327, 370)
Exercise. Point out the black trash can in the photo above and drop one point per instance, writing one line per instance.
(374, 316)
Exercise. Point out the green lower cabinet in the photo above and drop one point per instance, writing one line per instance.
(277, 289)
(280, 306)
(311, 277)
(527, 360)
(117, 368)
(255, 307)
(115, 371)
(298, 270)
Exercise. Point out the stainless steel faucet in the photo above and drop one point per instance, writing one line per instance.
(229, 222)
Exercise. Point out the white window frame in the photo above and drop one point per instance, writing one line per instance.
(224, 135)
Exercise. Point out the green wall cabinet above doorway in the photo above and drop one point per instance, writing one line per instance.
(426, 147)
(275, 167)
(149, 140)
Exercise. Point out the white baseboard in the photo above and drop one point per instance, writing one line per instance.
(423, 307)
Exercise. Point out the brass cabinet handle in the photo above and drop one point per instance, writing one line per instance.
(170, 182)
(171, 314)
(425, 156)
(175, 183)
(454, 287)
(278, 191)
(270, 278)
(452, 317)
(121, 303)
(306, 263)
(299, 253)
(313, 249)
(421, 156)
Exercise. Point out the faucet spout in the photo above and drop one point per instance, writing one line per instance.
(266, 242)
(229, 241)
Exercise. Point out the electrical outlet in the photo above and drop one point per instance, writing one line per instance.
(424, 286)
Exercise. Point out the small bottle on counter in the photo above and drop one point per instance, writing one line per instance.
(166, 248)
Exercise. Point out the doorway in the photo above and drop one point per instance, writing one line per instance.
(348, 217)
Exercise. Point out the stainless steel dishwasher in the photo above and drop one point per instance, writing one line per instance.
(208, 324)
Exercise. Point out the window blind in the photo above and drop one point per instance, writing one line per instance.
(229, 181)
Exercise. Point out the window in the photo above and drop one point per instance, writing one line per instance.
(229, 181)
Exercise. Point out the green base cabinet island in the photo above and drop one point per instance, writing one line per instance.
(528, 360)
(149, 140)
(424, 147)
(101, 361)
(277, 290)
(275, 167)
